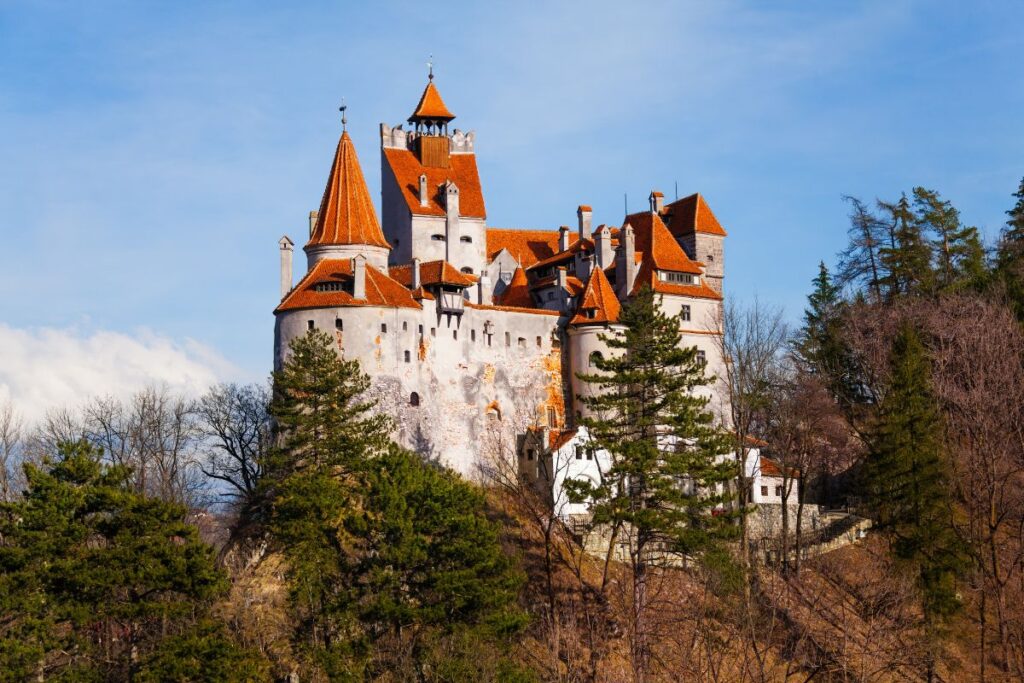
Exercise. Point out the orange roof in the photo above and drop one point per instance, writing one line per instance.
(559, 437)
(511, 309)
(599, 297)
(517, 293)
(770, 468)
(652, 237)
(567, 255)
(432, 273)
(572, 283)
(648, 276)
(431, 105)
(462, 171)
(346, 211)
(692, 214)
(526, 246)
(381, 290)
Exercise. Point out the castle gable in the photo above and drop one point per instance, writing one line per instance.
(462, 171)
(331, 283)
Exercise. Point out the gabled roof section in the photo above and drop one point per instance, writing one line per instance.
(568, 255)
(462, 171)
(599, 297)
(517, 293)
(346, 213)
(649, 276)
(657, 244)
(432, 273)
(431, 106)
(692, 214)
(381, 290)
(526, 246)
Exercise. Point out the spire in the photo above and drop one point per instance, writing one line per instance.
(344, 121)
(598, 305)
(431, 107)
(346, 213)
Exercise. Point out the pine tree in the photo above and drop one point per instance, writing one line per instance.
(907, 259)
(959, 256)
(666, 476)
(93, 574)
(1009, 267)
(860, 263)
(907, 484)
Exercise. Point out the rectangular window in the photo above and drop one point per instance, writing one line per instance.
(383, 328)
(590, 454)
(338, 325)
(579, 452)
(552, 417)
(433, 331)
(408, 356)
(529, 454)
(778, 491)
(702, 358)
(684, 312)
(421, 330)
(522, 342)
(508, 339)
(465, 238)
(764, 491)
(472, 335)
(405, 326)
(538, 341)
(455, 334)
(310, 324)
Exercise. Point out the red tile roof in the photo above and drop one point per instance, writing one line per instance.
(647, 275)
(771, 468)
(526, 246)
(462, 171)
(691, 214)
(431, 106)
(572, 283)
(599, 297)
(567, 255)
(517, 293)
(652, 237)
(381, 290)
(346, 213)
(432, 273)
(559, 437)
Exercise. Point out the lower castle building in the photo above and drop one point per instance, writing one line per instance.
(472, 335)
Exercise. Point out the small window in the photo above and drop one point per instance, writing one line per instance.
(522, 342)
(465, 238)
(405, 326)
(508, 339)
(472, 335)
(778, 491)
(437, 237)
(711, 257)
(310, 325)
(414, 399)
(684, 312)
(702, 358)
(529, 454)
(579, 452)
(590, 313)
(551, 296)
(467, 270)
(455, 334)
(408, 357)
(764, 491)
(433, 331)
(538, 341)
(595, 356)
(338, 324)
(552, 416)
(590, 454)
(421, 330)
(383, 328)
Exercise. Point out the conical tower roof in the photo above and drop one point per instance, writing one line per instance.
(346, 213)
(517, 293)
(431, 106)
(598, 305)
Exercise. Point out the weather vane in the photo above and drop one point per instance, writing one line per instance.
(342, 109)
(430, 67)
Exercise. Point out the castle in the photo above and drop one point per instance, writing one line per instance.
(470, 333)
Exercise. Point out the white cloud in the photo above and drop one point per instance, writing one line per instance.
(43, 368)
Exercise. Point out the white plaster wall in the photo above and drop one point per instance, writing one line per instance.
(583, 341)
(396, 221)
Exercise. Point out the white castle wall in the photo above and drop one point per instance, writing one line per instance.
(466, 386)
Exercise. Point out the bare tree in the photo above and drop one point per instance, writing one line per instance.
(235, 424)
(11, 433)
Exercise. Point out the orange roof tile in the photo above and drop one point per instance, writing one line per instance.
(652, 237)
(517, 293)
(511, 309)
(692, 214)
(432, 273)
(526, 246)
(431, 106)
(462, 171)
(649, 276)
(771, 468)
(381, 290)
(572, 283)
(567, 255)
(346, 213)
(559, 437)
(599, 297)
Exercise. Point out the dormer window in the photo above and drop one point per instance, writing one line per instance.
(676, 277)
(465, 238)
(590, 313)
(332, 286)
(437, 237)
(467, 270)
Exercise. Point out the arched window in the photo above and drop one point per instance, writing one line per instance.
(414, 399)
(467, 270)
(594, 357)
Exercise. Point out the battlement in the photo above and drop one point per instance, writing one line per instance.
(397, 138)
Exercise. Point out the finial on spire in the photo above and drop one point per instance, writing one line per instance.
(430, 68)
(342, 108)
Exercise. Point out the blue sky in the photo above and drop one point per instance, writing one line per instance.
(153, 153)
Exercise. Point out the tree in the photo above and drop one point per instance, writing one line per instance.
(667, 472)
(907, 259)
(959, 256)
(860, 262)
(11, 437)
(235, 421)
(94, 576)
(906, 479)
(1009, 266)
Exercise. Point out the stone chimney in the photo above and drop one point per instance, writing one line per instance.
(563, 238)
(424, 199)
(286, 245)
(563, 282)
(313, 215)
(603, 247)
(451, 223)
(359, 277)
(627, 248)
(657, 200)
(415, 284)
(584, 214)
(483, 288)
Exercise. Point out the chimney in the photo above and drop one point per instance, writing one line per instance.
(603, 247)
(657, 200)
(313, 215)
(423, 189)
(415, 284)
(563, 238)
(563, 283)
(286, 264)
(483, 288)
(359, 277)
(584, 214)
(451, 224)
(627, 247)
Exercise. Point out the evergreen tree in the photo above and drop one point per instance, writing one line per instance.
(907, 259)
(907, 484)
(666, 476)
(959, 256)
(860, 263)
(94, 577)
(1009, 267)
